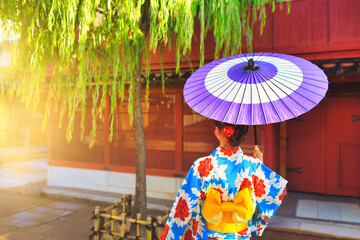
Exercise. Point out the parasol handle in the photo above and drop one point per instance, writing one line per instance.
(255, 135)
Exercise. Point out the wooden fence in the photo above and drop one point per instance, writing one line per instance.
(114, 222)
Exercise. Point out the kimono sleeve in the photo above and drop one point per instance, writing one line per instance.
(185, 207)
(269, 190)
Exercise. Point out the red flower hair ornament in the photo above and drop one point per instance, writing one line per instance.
(228, 131)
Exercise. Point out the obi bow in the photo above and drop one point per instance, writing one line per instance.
(228, 215)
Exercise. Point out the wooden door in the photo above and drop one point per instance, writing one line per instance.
(306, 152)
(324, 148)
(343, 146)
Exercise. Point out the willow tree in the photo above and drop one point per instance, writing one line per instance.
(79, 49)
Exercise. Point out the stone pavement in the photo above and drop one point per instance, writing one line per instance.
(328, 216)
(37, 218)
(327, 210)
(285, 223)
(31, 210)
(24, 217)
(23, 167)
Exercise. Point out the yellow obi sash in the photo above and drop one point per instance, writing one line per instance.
(228, 217)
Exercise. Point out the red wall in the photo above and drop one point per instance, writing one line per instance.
(175, 137)
(314, 30)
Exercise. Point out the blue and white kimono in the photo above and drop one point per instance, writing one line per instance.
(227, 171)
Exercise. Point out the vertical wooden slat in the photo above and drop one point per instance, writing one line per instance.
(148, 231)
(123, 225)
(283, 149)
(113, 224)
(138, 233)
(116, 213)
(124, 203)
(96, 222)
(342, 16)
(158, 229)
(178, 130)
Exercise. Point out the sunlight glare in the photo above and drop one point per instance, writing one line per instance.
(5, 59)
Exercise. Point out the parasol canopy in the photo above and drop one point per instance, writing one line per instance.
(255, 88)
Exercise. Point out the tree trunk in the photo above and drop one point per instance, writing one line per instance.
(140, 193)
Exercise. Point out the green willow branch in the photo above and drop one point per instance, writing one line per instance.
(78, 52)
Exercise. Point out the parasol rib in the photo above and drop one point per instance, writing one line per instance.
(261, 103)
(313, 79)
(219, 86)
(221, 102)
(283, 77)
(227, 112)
(277, 113)
(215, 99)
(212, 81)
(289, 97)
(242, 99)
(264, 56)
(278, 96)
(295, 91)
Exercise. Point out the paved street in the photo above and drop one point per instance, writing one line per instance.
(33, 218)
(38, 218)
(27, 213)
(280, 235)
(24, 214)
(21, 167)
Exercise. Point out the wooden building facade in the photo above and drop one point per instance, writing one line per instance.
(322, 146)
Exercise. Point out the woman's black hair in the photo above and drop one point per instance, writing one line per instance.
(238, 137)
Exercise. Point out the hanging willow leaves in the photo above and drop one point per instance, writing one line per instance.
(81, 51)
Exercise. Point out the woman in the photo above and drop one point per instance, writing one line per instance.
(226, 195)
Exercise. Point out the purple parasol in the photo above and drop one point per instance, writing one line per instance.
(255, 88)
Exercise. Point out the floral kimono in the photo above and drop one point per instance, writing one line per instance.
(227, 171)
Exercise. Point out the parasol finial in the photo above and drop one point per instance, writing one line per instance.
(251, 64)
